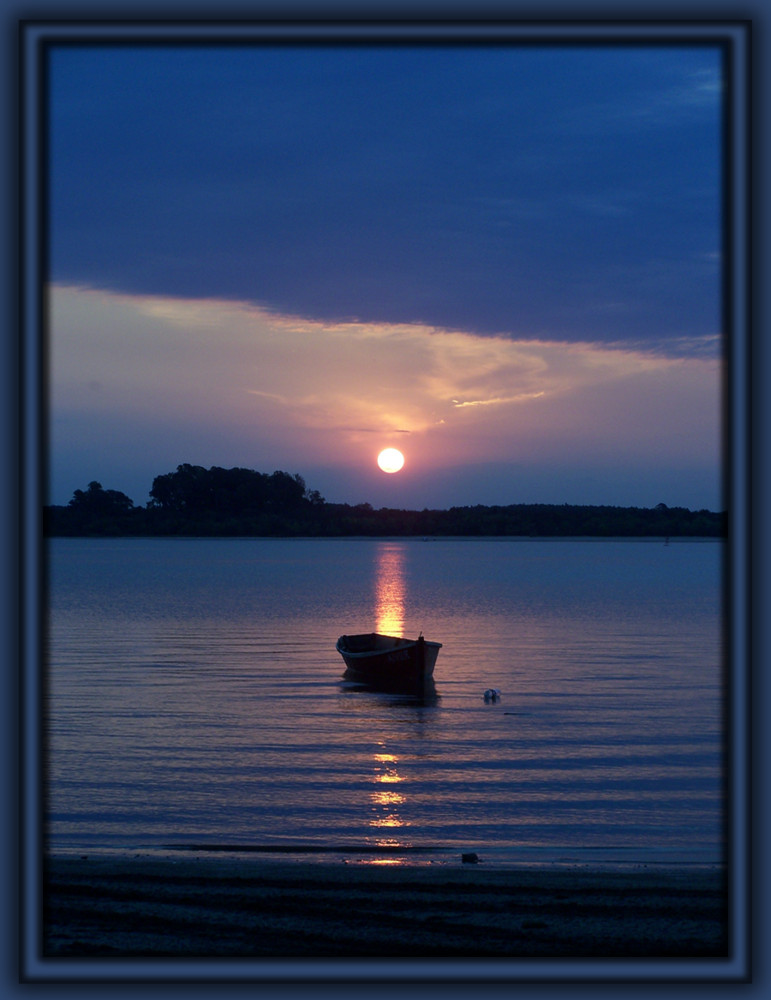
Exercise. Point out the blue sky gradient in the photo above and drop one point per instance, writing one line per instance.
(514, 252)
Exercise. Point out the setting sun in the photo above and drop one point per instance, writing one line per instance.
(390, 460)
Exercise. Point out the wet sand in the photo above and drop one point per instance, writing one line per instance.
(204, 907)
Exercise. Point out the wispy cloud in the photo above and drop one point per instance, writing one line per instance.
(667, 101)
(496, 401)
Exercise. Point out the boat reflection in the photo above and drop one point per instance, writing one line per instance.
(424, 694)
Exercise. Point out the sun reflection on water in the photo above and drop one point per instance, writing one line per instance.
(389, 589)
(387, 798)
(387, 773)
(386, 802)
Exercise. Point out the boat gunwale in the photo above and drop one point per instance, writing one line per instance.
(399, 643)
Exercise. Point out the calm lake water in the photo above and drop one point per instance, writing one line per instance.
(195, 696)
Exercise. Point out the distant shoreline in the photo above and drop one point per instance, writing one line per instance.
(227, 502)
(323, 520)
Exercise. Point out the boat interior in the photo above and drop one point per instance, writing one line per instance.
(372, 641)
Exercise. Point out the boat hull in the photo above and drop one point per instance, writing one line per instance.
(387, 661)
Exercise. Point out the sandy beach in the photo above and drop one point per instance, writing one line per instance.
(207, 907)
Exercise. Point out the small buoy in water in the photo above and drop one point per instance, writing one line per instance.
(492, 694)
(470, 859)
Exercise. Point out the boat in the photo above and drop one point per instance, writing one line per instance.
(388, 661)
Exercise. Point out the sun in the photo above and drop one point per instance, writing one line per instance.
(390, 460)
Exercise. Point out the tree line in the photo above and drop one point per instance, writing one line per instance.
(195, 501)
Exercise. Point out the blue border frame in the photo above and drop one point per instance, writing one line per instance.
(735, 36)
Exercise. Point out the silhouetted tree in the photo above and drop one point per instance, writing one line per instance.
(195, 490)
(286, 492)
(98, 501)
(181, 490)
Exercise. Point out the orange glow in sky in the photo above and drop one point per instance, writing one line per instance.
(228, 372)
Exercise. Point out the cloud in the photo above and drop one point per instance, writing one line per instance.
(231, 383)
(496, 401)
(505, 190)
(669, 93)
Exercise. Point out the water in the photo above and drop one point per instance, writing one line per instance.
(195, 697)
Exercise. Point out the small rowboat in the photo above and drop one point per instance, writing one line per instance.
(388, 661)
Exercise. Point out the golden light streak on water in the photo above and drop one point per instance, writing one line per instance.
(390, 590)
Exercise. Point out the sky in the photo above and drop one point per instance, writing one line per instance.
(504, 261)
